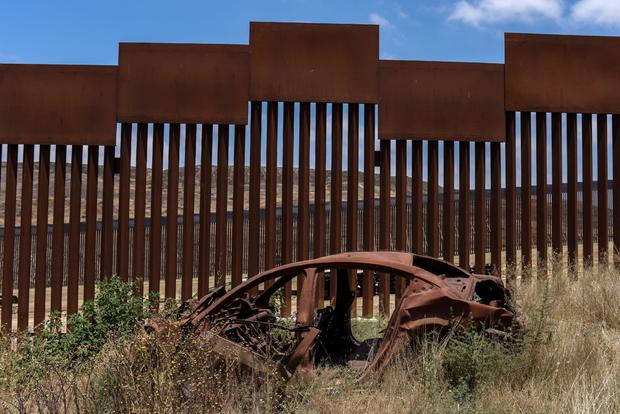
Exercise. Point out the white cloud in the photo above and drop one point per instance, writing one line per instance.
(401, 13)
(477, 12)
(596, 11)
(376, 18)
(9, 58)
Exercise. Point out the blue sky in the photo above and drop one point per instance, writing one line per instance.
(462, 30)
(470, 30)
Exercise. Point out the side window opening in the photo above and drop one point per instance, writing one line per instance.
(337, 343)
(488, 292)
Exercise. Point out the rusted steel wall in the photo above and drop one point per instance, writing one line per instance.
(336, 74)
(444, 103)
(568, 84)
(190, 166)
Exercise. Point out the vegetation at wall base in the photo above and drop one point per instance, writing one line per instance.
(567, 360)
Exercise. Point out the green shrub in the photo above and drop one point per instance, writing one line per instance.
(471, 357)
(116, 311)
(566, 360)
(47, 367)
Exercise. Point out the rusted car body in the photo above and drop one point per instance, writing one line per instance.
(435, 296)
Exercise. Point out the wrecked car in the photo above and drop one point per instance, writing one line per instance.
(243, 322)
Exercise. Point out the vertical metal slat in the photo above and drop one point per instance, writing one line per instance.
(496, 210)
(369, 204)
(603, 236)
(221, 205)
(480, 241)
(352, 198)
(204, 239)
(188, 212)
(139, 207)
(432, 204)
(172, 209)
(123, 204)
(448, 201)
(335, 242)
(385, 225)
(586, 143)
(238, 200)
(541, 193)
(271, 185)
(254, 194)
(25, 239)
(74, 229)
(526, 192)
(464, 219)
(156, 200)
(319, 189)
(571, 164)
(58, 236)
(511, 196)
(42, 231)
(556, 185)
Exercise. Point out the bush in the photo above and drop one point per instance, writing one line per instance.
(568, 360)
(470, 358)
(47, 369)
(169, 372)
(116, 311)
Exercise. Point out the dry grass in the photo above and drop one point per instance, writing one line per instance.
(568, 362)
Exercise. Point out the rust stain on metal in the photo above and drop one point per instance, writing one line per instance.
(558, 73)
(302, 62)
(57, 104)
(183, 83)
(441, 100)
(437, 296)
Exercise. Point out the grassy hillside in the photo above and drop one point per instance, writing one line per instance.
(181, 189)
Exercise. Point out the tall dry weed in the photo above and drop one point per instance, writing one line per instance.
(568, 361)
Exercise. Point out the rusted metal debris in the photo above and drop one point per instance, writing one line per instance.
(436, 297)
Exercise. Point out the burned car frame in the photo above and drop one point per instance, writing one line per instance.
(435, 296)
